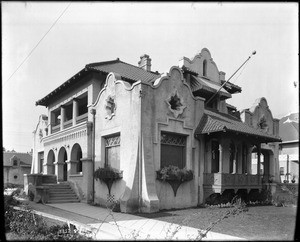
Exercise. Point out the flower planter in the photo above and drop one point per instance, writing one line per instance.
(174, 176)
(108, 175)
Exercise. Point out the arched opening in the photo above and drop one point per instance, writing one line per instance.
(62, 158)
(76, 155)
(50, 162)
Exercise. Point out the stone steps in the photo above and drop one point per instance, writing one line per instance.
(61, 193)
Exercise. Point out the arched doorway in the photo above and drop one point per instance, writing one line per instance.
(76, 155)
(50, 162)
(62, 158)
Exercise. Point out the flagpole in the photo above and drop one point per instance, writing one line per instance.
(253, 53)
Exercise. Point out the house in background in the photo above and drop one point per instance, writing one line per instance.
(289, 148)
(15, 165)
(138, 121)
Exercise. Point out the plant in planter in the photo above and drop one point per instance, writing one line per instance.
(293, 179)
(174, 176)
(108, 175)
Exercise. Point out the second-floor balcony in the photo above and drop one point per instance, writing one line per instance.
(67, 124)
(219, 182)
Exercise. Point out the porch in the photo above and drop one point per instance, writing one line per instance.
(219, 182)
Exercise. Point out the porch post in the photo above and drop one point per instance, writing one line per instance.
(220, 158)
(75, 110)
(62, 117)
(258, 160)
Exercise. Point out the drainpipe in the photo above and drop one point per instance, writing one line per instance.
(93, 112)
(140, 155)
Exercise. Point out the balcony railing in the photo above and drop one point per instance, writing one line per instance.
(55, 129)
(68, 124)
(82, 118)
(223, 181)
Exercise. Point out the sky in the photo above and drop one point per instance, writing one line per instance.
(46, 43)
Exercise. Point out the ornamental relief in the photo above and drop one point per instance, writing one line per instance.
(110, 107)
(175, 104)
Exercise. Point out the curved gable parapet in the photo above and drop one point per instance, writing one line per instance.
(208, 69)
(41, 126)
(174, 74)
(262, 117)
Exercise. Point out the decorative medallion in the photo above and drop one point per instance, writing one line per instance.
(262, 124)
(110, 107)
(175, 104)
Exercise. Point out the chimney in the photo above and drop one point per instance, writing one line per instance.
(145, 62)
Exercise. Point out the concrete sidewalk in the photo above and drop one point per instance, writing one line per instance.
(106, 225)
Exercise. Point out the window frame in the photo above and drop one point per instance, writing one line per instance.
(164, 144)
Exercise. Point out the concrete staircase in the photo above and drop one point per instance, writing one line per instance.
(61, 193)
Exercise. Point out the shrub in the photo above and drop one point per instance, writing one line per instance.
(174, 173)
(108, 173)
(30, 226)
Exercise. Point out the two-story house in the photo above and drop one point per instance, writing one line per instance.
(139, 121)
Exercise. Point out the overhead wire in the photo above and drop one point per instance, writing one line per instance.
(37, 44)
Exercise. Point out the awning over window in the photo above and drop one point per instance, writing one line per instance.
(213, 122)
(199, 83)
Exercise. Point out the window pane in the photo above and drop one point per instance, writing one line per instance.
(172, 150)
(112, 151)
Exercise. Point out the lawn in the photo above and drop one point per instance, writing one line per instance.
(258, 223)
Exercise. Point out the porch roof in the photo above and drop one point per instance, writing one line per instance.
(213, 122)
(200, 83)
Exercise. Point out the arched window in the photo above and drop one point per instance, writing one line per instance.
(204, 68)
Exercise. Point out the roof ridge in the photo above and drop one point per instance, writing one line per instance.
(102, 62)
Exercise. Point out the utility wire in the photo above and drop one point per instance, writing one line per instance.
(37, 44)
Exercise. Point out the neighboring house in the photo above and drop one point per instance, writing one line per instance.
(139, 121)
(15, 165)
(289, 148)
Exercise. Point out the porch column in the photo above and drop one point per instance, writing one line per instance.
(220, 158)
(62, 117)
(88, 176)
(234, 170)
(249, 160)
(75, 110)
(258, 161)
(59, 170)
(72, 166)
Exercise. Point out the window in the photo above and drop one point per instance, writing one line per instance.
(173, 150)
(204, 68)
(215, 154)
(15, 163)
(41, 161)
(282, 171)
(213, 104)
(112, 151)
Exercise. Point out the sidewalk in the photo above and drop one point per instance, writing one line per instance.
(102, 224)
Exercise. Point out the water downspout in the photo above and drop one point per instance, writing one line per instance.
(140, 156)
(93, 112)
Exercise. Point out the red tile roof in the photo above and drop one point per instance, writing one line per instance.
(127, 72)
(213, 121)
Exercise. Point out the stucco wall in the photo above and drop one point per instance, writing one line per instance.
(157, 116)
